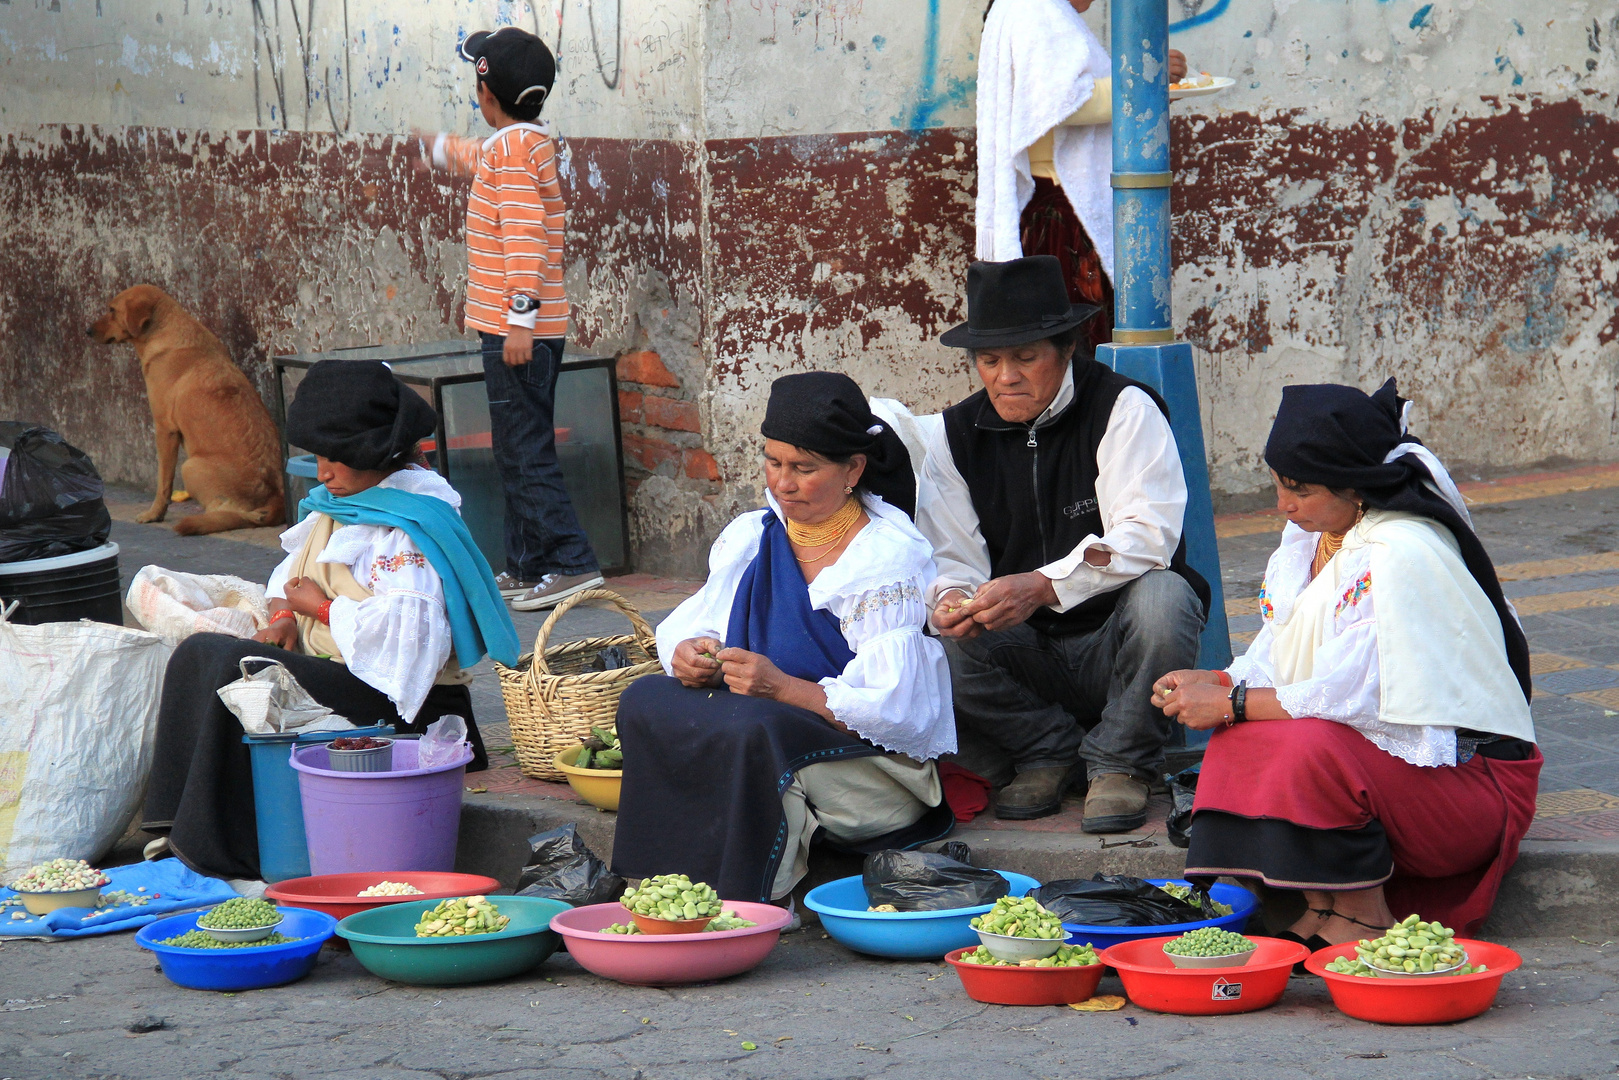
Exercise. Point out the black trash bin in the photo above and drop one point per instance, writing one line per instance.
(83, 585)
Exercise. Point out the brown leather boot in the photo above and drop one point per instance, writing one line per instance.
(1035, 793)
(1116, 802)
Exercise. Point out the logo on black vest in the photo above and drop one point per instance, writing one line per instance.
(1079, 509)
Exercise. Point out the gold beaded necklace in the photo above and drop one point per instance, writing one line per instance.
(1325, 549)
(825, 532)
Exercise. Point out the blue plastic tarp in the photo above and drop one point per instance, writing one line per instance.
(169, 886)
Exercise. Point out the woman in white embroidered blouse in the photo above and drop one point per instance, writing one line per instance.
(802, 693)
(372, 623)
(1396, 768)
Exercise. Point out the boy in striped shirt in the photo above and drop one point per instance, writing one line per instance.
(516, 303)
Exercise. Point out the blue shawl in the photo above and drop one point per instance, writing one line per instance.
(479, 622)
(772, 615)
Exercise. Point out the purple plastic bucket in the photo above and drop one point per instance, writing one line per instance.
(405, 819)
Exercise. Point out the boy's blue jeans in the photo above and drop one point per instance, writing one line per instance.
(542, 532)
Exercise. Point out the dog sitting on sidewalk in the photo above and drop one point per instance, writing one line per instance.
(200, 400)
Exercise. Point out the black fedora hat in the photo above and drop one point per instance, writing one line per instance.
(1014, 303)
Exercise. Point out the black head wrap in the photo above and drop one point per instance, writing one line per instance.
(1338, 436)
(825, 412)
(356, 412)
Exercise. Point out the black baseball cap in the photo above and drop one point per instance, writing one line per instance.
(518, 67)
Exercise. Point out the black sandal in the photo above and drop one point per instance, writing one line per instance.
(1315, 943)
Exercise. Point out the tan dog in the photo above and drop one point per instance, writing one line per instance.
(202, 401)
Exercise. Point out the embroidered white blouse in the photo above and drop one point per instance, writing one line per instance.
(398, 639)
(896, 690)
(1345, 682)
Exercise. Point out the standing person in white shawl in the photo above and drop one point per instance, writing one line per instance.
(1045, 150)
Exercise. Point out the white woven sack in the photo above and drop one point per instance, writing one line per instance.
(174, 605)
(78, 717)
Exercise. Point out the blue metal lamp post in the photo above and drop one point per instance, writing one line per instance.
(1144, 345)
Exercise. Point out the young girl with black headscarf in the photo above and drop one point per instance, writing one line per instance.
(801, 692)
(1396, 768)
(381, 604)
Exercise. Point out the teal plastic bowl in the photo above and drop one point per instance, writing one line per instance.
(384, 941)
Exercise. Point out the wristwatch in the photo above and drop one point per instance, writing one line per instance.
(523, 304)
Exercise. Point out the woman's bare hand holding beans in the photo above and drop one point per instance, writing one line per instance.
(692, 667)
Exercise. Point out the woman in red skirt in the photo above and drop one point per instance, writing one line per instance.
(1373, 749)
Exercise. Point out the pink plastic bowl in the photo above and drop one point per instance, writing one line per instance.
(669, 959)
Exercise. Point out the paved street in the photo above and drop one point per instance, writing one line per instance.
(813, 1010)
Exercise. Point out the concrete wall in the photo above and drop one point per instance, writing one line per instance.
(1419, 189)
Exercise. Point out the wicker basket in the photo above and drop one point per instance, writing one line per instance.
(552, 698)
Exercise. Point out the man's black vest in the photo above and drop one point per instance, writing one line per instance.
(1034, 489)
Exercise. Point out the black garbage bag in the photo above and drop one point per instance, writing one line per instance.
(925, 881)
(1182, 792)
(50, 496)
(562, 868)
(1114, 900)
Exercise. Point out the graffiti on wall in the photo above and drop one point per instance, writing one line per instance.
(286, 53)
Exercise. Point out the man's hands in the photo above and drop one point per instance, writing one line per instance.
(998, 605)
(519, 346)
(694, 669)
(1177, 65)
(1198, 699)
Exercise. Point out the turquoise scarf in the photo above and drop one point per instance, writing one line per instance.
(479, 622)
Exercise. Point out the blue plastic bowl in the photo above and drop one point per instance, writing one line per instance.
(905, 935)
(250, 968)
(1243, 904)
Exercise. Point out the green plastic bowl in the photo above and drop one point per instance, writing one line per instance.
(384, 941)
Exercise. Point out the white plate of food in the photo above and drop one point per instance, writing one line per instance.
(1199, 84)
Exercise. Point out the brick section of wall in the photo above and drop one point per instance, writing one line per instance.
(662, 433)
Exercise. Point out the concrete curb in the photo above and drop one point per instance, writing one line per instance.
(1555, 889)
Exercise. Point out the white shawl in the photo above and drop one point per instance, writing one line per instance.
(1037, 63)
(1440, 649)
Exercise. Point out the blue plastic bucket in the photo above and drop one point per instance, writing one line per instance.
(277, 804)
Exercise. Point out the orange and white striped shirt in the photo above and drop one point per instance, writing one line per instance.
(514, 227)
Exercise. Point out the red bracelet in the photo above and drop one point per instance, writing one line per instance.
(284, 613)
(1225, 680)
(324, 614)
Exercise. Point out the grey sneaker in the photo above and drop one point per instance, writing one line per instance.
(510, 586)
(553, 589)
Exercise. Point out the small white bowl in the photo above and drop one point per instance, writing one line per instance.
(250, 933)
(1229, 960)
(1385, 973)
(1015, 950)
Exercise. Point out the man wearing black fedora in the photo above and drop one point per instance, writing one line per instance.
(1054, 498)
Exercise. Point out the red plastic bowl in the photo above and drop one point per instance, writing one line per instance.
(1025, 985)
(338, 895)
(1441, 999)
(669, 959)
(1152, 981)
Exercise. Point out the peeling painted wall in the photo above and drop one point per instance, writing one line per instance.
(1429, 190)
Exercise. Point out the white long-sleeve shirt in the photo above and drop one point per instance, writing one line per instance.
(398, 639)
(896, 690)
(1140, 491)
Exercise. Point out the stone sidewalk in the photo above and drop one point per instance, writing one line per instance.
(1555, 538)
